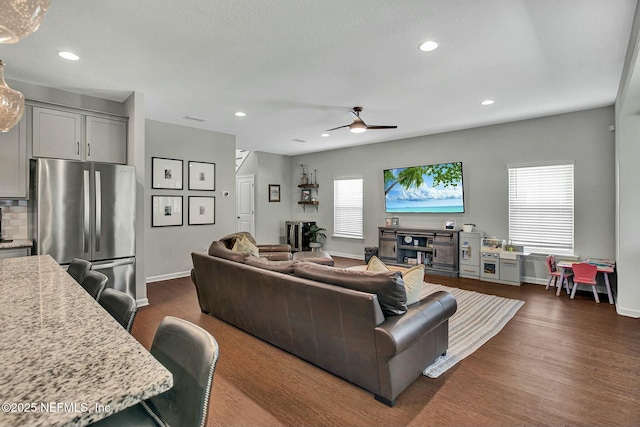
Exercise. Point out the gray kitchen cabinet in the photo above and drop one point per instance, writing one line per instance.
(13, 162)
(14, 252)
(106, 140)
(57, 134)
(71, 135)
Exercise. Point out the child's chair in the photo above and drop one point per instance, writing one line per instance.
(554, 274)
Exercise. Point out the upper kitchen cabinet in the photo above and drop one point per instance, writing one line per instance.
(77, 136)
(106, 140)
(13, 162)
(57, 134)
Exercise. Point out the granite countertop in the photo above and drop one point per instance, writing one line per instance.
(62, 353)
(16, 243)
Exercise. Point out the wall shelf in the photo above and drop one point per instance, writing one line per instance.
(305, 204)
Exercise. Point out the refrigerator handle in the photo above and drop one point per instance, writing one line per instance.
(98, 210)
(85, 239)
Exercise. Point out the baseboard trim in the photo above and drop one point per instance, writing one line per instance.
(629, 312)
(351, 256)
(169, 276)
(535, 280)
(142, 302)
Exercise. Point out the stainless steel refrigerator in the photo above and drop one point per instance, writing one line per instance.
(85, 210)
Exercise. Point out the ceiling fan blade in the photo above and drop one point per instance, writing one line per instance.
(339, 127)
(382, 127)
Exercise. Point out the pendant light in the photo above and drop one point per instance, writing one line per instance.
(11, 104)
(20, 18)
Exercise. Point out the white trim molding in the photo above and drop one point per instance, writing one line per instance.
(169, 276)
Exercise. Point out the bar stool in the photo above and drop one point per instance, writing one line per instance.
(78, 268)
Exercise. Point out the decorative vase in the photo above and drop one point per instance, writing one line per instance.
(304, 180)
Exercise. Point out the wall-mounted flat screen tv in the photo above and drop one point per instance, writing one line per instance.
(424, 189)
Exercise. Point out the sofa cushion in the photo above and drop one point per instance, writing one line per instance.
(218, 249)
(245, 246)
(230, 239)
(387, 285)
(267, 264)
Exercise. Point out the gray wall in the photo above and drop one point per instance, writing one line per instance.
(582, 137)
(627, 178)
(268, 169)
(168, 249)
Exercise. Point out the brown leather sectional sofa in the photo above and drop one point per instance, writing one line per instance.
(333, 326)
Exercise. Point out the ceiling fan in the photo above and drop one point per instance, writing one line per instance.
(358, 125)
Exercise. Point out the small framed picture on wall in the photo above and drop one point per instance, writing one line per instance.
(202, 176)
(166, 173)
(274, 192)
(202, 210)
(166, 211)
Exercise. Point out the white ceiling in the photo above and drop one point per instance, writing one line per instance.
(296, 67)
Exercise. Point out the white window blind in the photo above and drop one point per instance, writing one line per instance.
(541, 208)
(347, 208)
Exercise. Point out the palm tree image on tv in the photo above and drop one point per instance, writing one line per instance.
(424, 189)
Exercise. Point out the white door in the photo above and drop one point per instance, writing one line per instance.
(245, 214)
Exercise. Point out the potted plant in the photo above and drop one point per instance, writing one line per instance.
(316, 236)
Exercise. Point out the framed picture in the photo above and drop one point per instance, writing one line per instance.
(395, 221)
(166, 211)
(202, 176)
(274, 192)
(202, 210)
(387, 222)
(306, 195)
(166, 173)
(449, 224)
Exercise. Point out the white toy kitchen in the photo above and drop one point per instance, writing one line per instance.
(501, 262)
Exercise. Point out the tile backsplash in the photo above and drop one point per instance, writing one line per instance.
(14, 219)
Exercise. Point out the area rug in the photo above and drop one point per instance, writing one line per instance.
(479, 318)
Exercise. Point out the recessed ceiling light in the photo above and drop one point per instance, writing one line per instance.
(428, 46)
(68, 55)
(240, 114)
(487, 102)
(325, 135)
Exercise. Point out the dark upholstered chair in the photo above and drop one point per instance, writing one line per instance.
(190, 353)
(120, 306)
(94, 282)
(78, 268)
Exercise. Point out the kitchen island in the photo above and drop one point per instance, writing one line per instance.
(64, 360)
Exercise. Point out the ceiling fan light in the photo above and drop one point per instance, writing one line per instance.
(357, 127)
(11, 104)
(20, 18)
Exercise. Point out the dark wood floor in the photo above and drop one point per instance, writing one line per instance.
(557, 362)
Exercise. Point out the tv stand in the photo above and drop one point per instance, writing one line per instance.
(436, 249)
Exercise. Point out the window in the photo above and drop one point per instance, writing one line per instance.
(541, 207)
(347, 208)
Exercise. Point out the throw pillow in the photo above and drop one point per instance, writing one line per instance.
(245, 246)
(230, 239)
(413, 280)
(387, 285)
(218, 249)
(375, 264)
